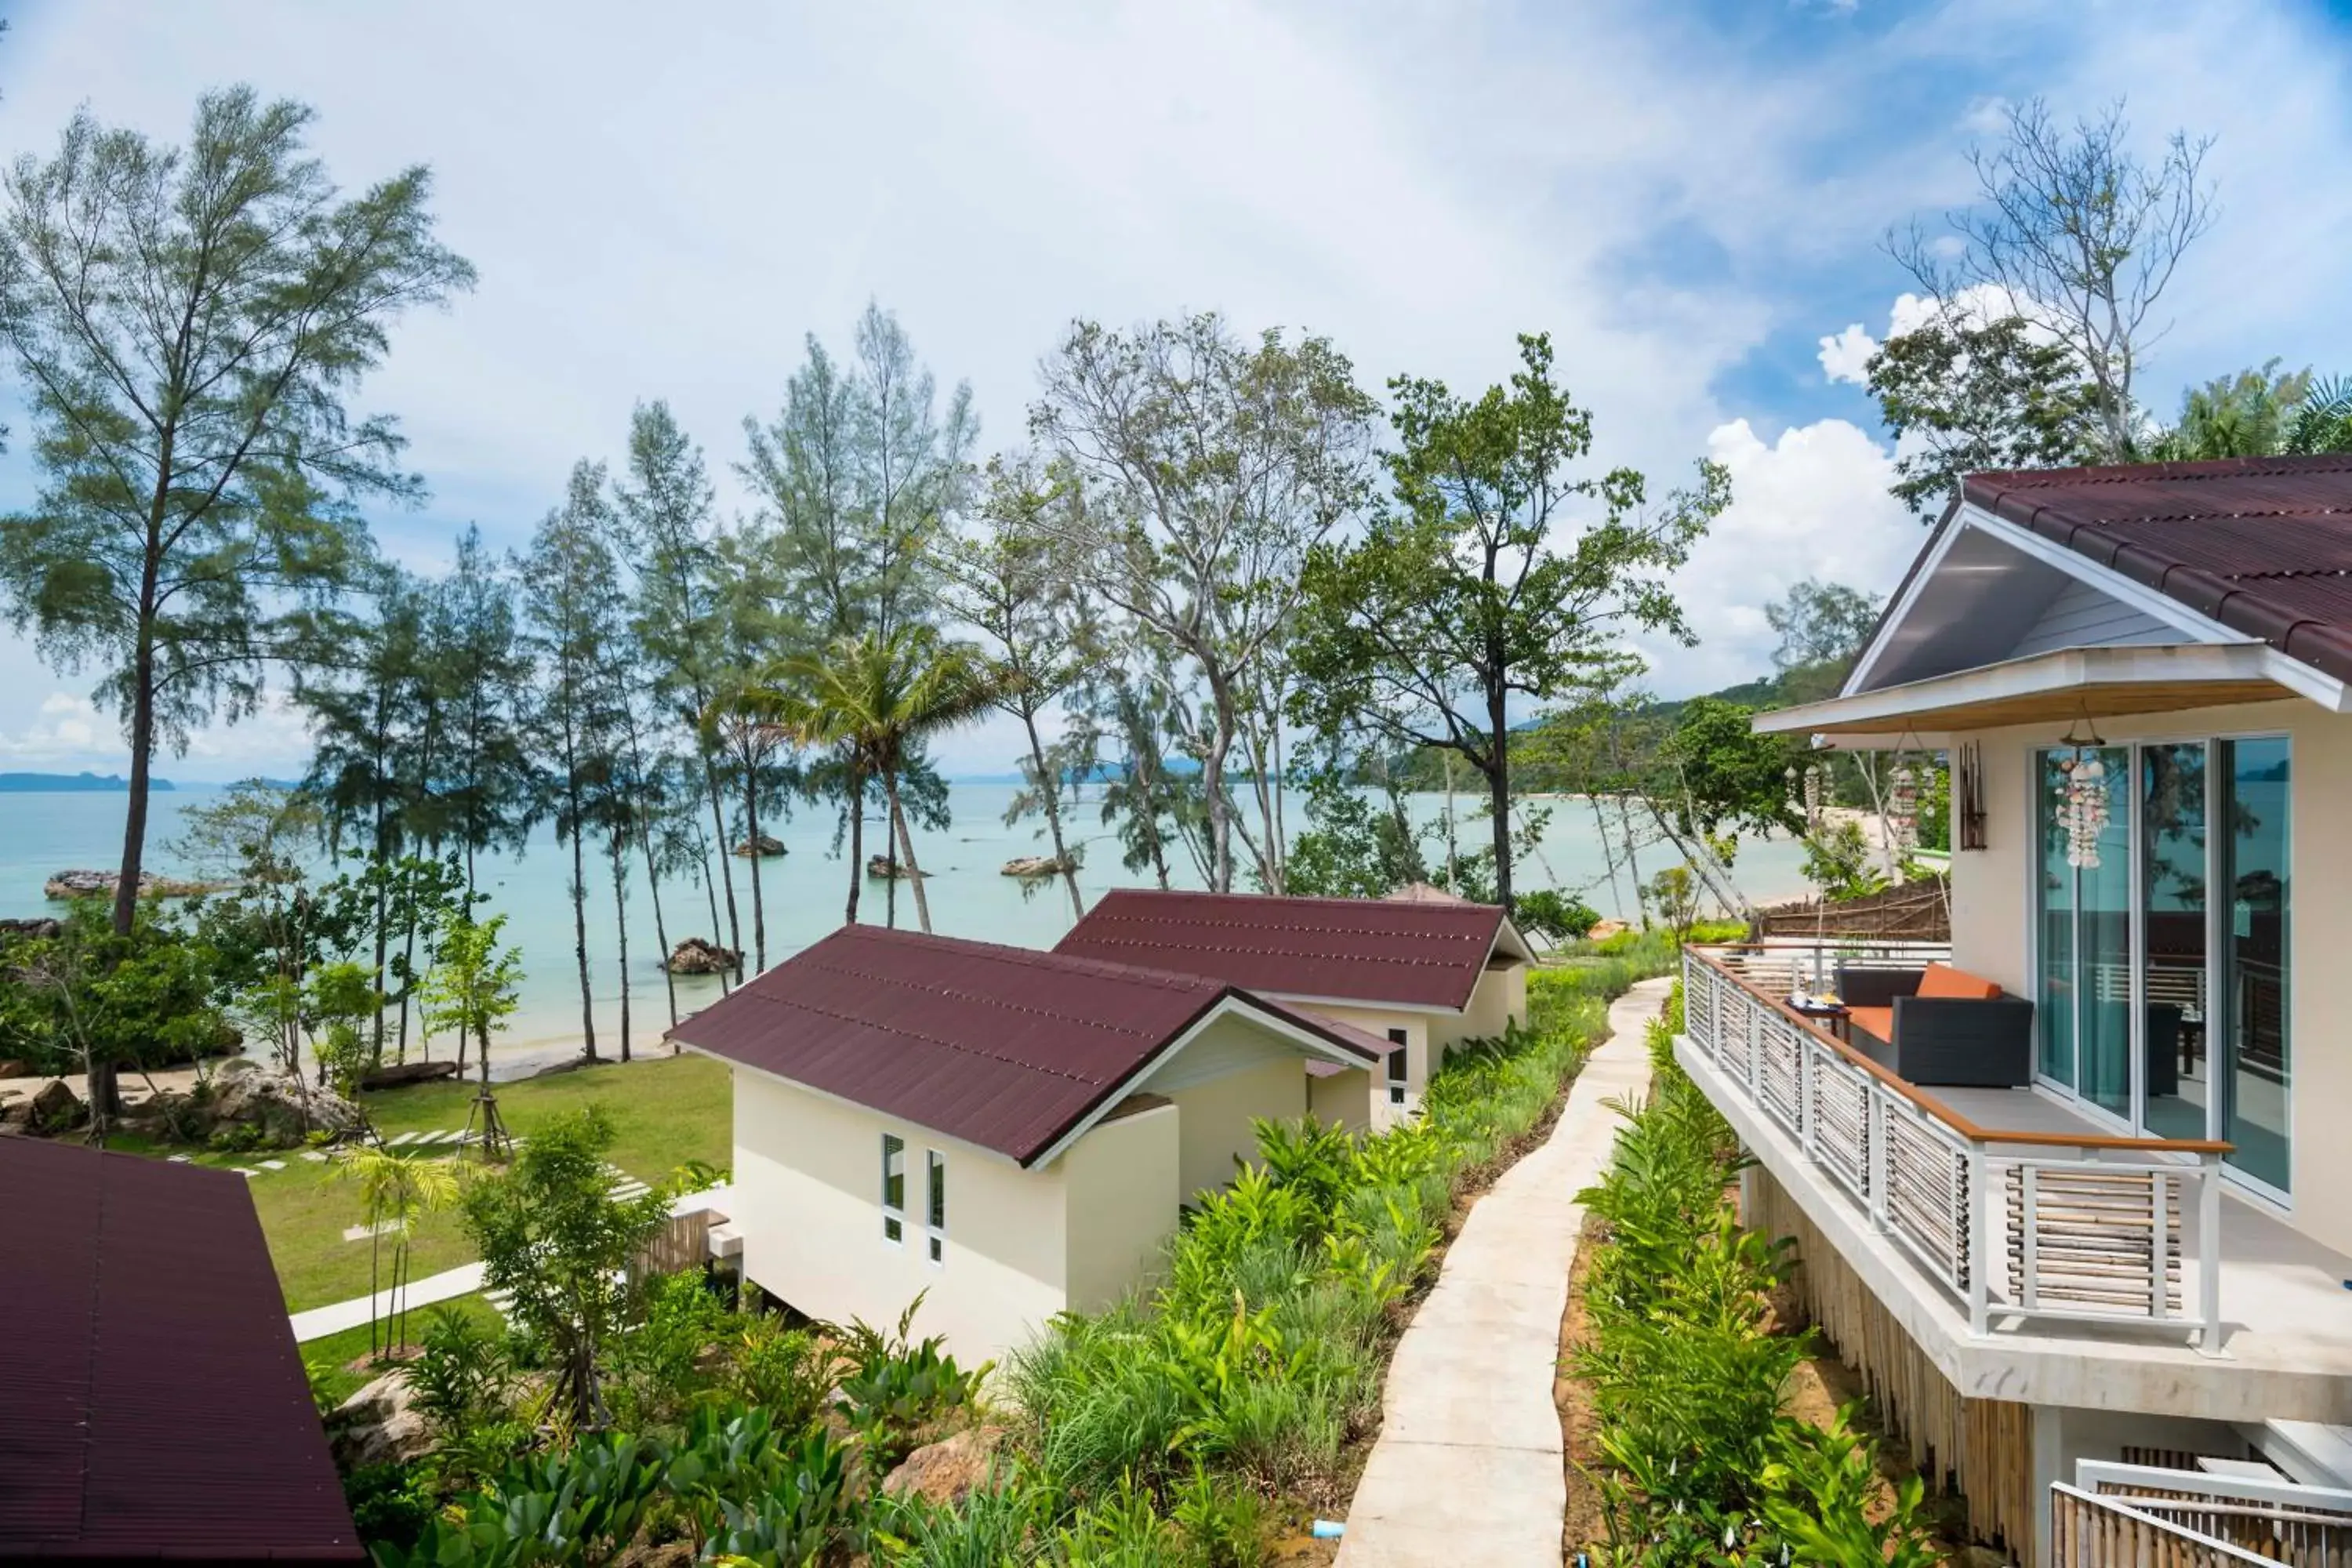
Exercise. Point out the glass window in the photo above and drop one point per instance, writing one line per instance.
(2173, 920)
(2251, 1024)
(894, 1185)
(936, 1179)
(1397, 1068)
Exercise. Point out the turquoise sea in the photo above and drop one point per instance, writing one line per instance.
(803, 890)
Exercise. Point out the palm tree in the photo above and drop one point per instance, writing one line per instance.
(396, 1190)
(873, 701)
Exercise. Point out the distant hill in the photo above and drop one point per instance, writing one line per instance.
(73, 784)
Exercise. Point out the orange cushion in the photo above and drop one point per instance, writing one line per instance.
(1878, 1023)
(1943, 980)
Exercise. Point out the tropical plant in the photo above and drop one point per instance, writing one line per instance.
(396, 1190)
(473, 986)
(463, 1372)
(876, 699)
(896, 1387)
(552, 1235)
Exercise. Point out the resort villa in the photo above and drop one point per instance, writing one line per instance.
(1016, 1133)
(1419, 976)
(2070, 1193)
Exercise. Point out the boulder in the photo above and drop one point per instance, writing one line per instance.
(281, 1108)
(769, 846)
(950, 1470)
(94, 884)
(15, 1067)
(379, 1425)
(887, 868)
(1030, 867)
(40, 929)
(55, 1108)
(697, 956)
(1605, 929)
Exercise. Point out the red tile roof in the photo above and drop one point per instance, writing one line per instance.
(1005, 1048)
(152, 1402)
(2263, 545)
(1373, 952)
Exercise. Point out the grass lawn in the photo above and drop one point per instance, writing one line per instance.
(666, 1111)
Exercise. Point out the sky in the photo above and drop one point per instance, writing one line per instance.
(1689, 195)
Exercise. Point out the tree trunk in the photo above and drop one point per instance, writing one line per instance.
(759, 899)
(621, 930)
(726, 871)
(1050, 789)
(1608, 855)
(906, 865)
(661, 926)
(1498, 792)
(408, 964)
(890, 848)
(856, 843)
(1632, 862)
(1212, 780)
(579, 926)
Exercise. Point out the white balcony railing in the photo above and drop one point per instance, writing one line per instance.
(2117, 1515)
(2086, 1227)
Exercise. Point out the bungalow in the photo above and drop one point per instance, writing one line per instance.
(2068, 1190)
(153, 1403)
(1076, 1104)
(1419, 976)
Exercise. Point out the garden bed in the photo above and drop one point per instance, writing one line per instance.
(1697, 1405)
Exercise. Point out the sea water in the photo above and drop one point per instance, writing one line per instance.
(803, 892)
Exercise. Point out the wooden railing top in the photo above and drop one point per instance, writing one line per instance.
(1936, 1109)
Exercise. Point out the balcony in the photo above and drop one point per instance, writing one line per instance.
(2130, 1515)
(2031, 1254)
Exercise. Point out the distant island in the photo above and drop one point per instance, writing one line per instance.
(73, 784)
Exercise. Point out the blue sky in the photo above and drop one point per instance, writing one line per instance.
(1689, 197)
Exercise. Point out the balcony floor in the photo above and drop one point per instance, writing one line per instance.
(2287, 1312)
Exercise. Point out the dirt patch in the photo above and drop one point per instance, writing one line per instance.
(1586, 1522)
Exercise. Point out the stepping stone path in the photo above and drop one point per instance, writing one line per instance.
(184, 1159)
(245, 1171)
(273, 1164)
(362, 1232)
(316, 1157)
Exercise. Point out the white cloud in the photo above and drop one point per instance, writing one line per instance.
(1812, 504)
(1845, 356)
(66, 731)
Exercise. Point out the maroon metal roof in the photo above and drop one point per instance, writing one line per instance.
(1005, 1048)
(1367, 951)
(151, 1399)
(2263, 545)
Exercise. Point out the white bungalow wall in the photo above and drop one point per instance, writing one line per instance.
(1992, 904)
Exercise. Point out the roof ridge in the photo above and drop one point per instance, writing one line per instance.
(1180, 946)
(2276, 466)
(1034, 957)
(1271, 899)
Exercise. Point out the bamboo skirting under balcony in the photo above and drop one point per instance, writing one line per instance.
(1981, 1448)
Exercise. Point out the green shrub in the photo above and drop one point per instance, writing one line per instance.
(463, 1373)
(790, 1372)
(1689, 1372)
(895, 1389)
(657, 1359)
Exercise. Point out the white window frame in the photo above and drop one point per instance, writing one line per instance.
(893, 1216)
(935, 1207)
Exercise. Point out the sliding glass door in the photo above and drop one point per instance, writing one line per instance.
(2161, 922)
(2254, 1061)
(2083, 919)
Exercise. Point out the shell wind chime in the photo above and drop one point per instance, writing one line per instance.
(1902, 809)
(2083, 808)
(1813, 795)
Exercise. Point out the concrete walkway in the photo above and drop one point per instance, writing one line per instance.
(1468, 1468)
(356, 1313)
(464, 1280)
